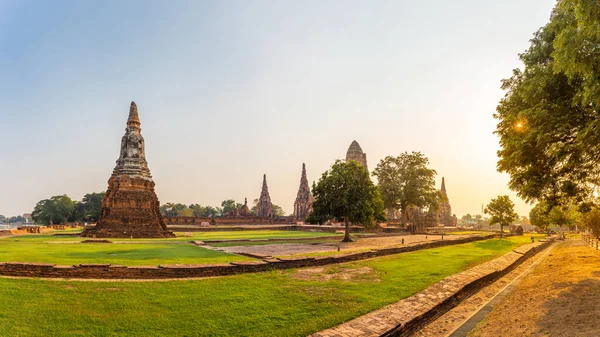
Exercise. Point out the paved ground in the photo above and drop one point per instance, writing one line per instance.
(383, 320)
(462, 319)
(360, 244)
(560, 298)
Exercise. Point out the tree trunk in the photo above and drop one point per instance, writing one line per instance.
(501, 231)
(347, 234)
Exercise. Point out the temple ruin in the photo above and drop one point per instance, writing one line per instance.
(304, 199)
(445, 215)
(264, 208)
(356, 153)
(130, 208)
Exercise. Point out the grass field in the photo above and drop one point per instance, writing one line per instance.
(277, 303)
(119, 254)
(67, 250)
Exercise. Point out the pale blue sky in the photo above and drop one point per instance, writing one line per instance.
(229, 90)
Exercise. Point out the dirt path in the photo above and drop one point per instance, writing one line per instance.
(360, 244)
(561, 297)
(473, 309)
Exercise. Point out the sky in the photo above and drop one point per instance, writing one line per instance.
(230, 90)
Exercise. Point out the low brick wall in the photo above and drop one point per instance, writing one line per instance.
(407, 316)
(107, 271)
(416, 324)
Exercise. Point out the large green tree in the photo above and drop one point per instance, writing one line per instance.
(502, 212)
(347, 192)
(549, 119)
(56, 210)
(407, 180)
(538, 216)
(89, 208)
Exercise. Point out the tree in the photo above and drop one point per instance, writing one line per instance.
(406, 180)
(502, 212)
(55, 210)
(228, 205)
(564, 216)
(538, 216)
(278, 210)
(467, 217)
(591, 221)
(549, 118)
(347, 192)
(89, 208)
(171, 209)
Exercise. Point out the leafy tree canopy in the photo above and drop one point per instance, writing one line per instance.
(549, 123)
(502, 212)
(347, 192)
(406, 180)
(56, 210)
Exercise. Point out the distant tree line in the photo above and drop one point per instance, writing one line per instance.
(61, 209)
(12, 219)
(228, 205)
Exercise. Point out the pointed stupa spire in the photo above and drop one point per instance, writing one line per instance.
(264, 208)
(443, 190)
(134, 118)
(304, 199)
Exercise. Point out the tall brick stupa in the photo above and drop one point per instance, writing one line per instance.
(304, 199)
(264, 208)
(130, 207)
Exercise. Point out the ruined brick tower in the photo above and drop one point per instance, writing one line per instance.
(356, 153)
(130, 207)
(445, 210)
(304, 199)
(264, 208)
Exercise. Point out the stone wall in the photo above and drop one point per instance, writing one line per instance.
(430, 315)
(409, 315)
(107, 271)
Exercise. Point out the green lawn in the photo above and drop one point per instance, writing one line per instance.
(276, 303)
(253, 235)
(32, 249)
(67, 250)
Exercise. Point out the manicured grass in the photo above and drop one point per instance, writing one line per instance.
(472, 233)
(277, 303)
(67, 250)
(253, 235)
(22, 249)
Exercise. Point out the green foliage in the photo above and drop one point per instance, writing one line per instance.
(591, 221)
(502, 212)
(564, 216)
(538, 216)
(204, 211)
(406, 180)
(228, 205)
(171, 209)
(56, 210)
(548, 121)
(278, 210)
(346, 192)
(89, 208)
